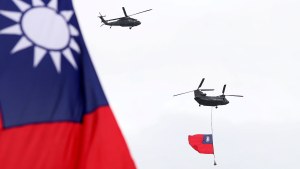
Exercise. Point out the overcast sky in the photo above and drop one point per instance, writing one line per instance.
(253, 46)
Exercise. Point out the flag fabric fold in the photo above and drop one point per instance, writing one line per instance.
(53, 111)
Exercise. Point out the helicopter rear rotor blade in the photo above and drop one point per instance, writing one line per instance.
(224, 87)
(201, 83)
(182, 93)
(140, 12)
(235, 95)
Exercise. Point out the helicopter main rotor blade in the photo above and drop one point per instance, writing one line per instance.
(124, 12)
(182, 93)
(235, 95)
(206, 89)
(224, 87)
(140, 12)
(201, 83)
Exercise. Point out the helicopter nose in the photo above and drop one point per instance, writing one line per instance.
(138, 22)
(225, 101)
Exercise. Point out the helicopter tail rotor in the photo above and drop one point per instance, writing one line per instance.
(100, 15)
(102, 19)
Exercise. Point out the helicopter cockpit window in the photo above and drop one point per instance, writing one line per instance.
(131, 20)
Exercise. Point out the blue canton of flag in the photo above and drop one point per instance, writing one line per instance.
(46, 74)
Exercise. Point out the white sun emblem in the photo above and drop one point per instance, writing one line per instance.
(45, 28)
(207, 138)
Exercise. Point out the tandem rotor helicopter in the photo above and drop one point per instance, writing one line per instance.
(205, 100)
(125, 21)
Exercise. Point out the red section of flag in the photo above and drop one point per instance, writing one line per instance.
(103, 144)
(97, 143)
(197, 142)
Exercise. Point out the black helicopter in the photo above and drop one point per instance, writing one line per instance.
(126, 21)
(205, 100)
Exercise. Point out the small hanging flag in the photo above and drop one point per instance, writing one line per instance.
(203, 143)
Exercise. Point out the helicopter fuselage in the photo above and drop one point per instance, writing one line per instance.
(125, 22)
(204, 100)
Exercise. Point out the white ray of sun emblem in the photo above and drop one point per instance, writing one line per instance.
(46, 29)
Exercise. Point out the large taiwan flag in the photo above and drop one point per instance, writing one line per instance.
(203, 143)
(53, 111)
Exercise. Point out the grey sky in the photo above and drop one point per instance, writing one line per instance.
(251, 45)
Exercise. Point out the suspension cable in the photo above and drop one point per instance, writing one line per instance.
(212, 132)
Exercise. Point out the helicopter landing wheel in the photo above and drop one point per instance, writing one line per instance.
(216, 107)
